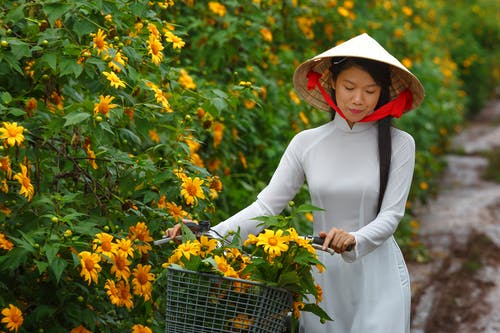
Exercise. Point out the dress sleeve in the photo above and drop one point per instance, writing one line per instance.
(284, 184)
(384, 225)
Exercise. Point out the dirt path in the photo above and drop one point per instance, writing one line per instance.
(459, 289)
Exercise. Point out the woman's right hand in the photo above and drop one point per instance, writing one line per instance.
(176, 229)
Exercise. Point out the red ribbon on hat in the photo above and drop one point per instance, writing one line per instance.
(394, 108)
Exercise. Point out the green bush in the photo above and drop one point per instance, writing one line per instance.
(121, 117)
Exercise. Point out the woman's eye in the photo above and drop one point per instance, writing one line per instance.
(370, 92)
(348, 88)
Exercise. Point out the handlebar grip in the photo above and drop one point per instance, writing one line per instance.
(320, 240)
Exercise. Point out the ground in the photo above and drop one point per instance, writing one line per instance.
(459, 288)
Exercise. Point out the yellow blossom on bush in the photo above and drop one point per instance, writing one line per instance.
(80, 329)
(138, 328)
(155, 49)
(192, 190)
(407, 62)
(114, 80)
(11, 133)
(90, 266)
(185, 80)
(5, 243)
(176, 211)
(141, 281)
(123, 245)
(12, 317)
(103, 244)
(118, 62)
(104, 105)
(140, 232)
(177, 42)
(27, 188)
(218, 133)
(217, 8)
(120, 267)
(266, 34)
(100, 42)
(119, 293)
(5, 166)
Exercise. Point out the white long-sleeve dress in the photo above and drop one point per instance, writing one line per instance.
(366, 290)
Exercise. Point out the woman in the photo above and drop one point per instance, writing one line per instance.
(359, 170)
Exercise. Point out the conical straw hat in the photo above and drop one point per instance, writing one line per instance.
(361, 46)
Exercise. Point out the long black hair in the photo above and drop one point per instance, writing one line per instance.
(381, 74)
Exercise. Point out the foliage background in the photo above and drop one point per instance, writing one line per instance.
(220, 105)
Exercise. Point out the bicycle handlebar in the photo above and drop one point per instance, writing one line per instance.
(317, 242)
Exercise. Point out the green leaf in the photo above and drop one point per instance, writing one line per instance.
(50, 59)
(55, 10)
(57, 266)
(187, 234)
(41, 265)
(13, 259)
(6, 97)
(317, 310)
(75, 118)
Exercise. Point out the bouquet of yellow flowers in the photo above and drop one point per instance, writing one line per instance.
(277, 259)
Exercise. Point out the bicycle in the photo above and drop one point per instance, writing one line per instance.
(205, 302)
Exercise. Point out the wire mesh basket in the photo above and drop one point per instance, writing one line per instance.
(203, 302)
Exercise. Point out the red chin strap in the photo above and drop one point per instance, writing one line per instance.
(394, 108)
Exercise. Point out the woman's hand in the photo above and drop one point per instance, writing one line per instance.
(176, 229)
(337, 239)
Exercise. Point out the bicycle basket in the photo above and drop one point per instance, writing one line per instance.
(203, 302)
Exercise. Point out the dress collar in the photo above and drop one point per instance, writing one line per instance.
(343, 125)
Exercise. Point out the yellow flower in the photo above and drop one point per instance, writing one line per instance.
(218, 129)
(304, 118)
(103, 244)
(186, 81)
(124, 245)
(80, 329)
(188, 248)
(104, 105)
(142, 281)
(120, 265)
(266, 34)
(119, 294)
(319, 290)
(207, 245)
(90, 266)
(293, 96)
(297, 306)
(177, 42)
(12, 133)
(141, 232)
(26, 187)
(217, 8)
(160, 96)
(176, 211)
(241, 322)
(215, 186)
(191, 190)
(138, 328)
(5, 243)
(118, 62)
(114, 80)
(251, 239)
(224, 267)
(153, 135)
(407, 11)
(155, 49)
(100, 41)
(407, 62)
(273, 242)
(5, 166)
(12, 317)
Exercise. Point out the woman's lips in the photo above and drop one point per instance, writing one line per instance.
(355, 111)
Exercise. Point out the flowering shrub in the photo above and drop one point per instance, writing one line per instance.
(119, 118)
(276, 257)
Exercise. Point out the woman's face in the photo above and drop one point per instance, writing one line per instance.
(357, 93)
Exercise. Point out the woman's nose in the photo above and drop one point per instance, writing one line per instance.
(357, 97)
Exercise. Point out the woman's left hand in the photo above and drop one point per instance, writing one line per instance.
(337, 239)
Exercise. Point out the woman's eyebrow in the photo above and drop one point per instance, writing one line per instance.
(368, 85)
